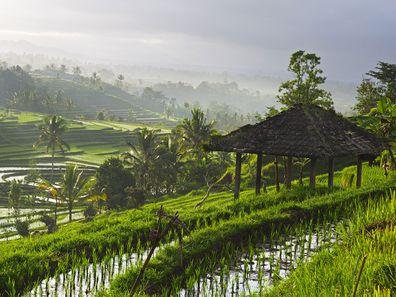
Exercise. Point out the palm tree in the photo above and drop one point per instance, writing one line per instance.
(51, 134)
(195, 132)
(74, 187)
(53, 190)
(143, 155)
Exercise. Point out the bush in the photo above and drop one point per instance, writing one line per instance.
(90, 212)
(22, 228)
(49, 222)
(135, 197)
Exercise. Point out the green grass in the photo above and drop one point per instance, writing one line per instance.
(27, 260)
(371, 233)
(164, 269)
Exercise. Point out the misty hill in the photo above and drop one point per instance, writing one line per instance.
(243, 92)
(243, 99)
(74, 96)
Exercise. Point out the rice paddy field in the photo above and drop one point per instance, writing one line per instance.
(256, 245)
(91, 141)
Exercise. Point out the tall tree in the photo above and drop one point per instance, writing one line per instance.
(304, 88)
(142, 157)
(195, 132)
(51, 133)
(112, 179)
(381, 83)
(74, 187)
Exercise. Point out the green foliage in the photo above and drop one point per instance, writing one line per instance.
(22, 228)
(74, 187)
(304, 88)
(369, 232)
(220, 219)
(100, 116)
(195, 132)
(90, 212)
(49, 222)
(112, 178)
(368, 93)
(383, 85)
(14, 196)
(13, 80)
(51, 132)
(209, 242)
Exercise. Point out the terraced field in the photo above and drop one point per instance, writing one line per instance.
(102, 253)
(112, 100)
(91, 141)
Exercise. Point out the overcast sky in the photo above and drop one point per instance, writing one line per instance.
(240, 36)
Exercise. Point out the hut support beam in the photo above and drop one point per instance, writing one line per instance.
(258, 172)
(312, 174)
(359, 172)
(238, 164)
(276, 162)
(288, 171)
(330, 180)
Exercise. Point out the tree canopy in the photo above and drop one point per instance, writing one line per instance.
(304, 88)
(381, 83)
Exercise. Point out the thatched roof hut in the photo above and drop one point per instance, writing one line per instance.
(302, 131)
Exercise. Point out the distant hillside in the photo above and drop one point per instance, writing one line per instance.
(243, 92)
(244, 99)
(74, 96)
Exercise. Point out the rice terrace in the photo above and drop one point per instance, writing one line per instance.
(187, 149)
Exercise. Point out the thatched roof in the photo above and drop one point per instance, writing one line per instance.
(301, 131)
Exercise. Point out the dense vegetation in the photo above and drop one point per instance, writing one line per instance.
(89, 152)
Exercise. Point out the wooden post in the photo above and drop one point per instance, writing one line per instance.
(330, 180)
(237, 175)
(359, 172)
(288, 171)
(258, 172)
(276, 162)
(312, 174)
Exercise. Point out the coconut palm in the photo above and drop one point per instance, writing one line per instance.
(142, 157)
(74, 187)
(53, 190)
(195, 132)
(51, 132)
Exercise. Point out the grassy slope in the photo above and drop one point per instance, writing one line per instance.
(25, 259)
(334, 273)
(164, 269)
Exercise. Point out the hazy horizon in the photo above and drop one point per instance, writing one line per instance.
(251, 37)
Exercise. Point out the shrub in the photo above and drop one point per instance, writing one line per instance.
(22, 228)
(90, 212)
(49, 222)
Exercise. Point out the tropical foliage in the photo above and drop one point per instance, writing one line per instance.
(51, 134)
(304, 87)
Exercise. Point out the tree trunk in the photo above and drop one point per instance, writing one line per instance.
(300, 178)
(52, 163)
(70, 210)
(238, 165)
(56, 209)
(276, 162)
(330, 180)
(258, 172)
(288, 172)
(312, 174)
